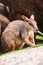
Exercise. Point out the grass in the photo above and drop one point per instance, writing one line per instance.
(39, 37)
(40, 33)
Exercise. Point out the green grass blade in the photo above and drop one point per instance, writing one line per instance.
(39, 37)
(40, 33)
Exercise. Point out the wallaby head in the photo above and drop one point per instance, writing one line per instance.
(33, 23)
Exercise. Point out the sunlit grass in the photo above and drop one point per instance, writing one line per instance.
(39, 37)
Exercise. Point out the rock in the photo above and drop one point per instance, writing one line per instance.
(33, 56)
(28, 7)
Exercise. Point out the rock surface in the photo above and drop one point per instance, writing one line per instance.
(32, 56)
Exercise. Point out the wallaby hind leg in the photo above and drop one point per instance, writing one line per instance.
(22, 45)
(8, 42)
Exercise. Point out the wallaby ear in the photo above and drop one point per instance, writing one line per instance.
(32, 17)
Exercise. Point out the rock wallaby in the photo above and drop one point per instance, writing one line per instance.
(18, 33)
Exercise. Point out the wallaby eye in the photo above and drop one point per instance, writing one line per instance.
(30, 24)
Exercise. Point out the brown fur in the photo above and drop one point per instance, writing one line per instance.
(31, 22)
(16, 34)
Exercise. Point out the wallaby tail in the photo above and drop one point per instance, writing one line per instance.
(4, 19)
